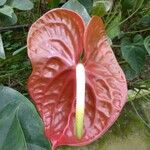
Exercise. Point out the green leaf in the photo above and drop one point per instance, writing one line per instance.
(101, 7)
(21, 4)
(113, 28)
(53, 3)
(129, 72)
(133, 53)
(2, 51)
(20, 125)
(87, 4)
(147, 44)
(135, 56)
(7, 10)
(145, 21)
(79, 8)
(19, 50)
(7, 21)
(2, 2)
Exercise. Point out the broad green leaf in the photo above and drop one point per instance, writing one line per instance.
(21, 4)
(133, 53)
(147, 44)
(113, 28)
(20, 125)
(2, 51)
(7, 10)
(145, 21)
(2, 2)
(7, 21)
(79, 8)
(87, 4)
(101, 7)
(128, 133)
(129, 72)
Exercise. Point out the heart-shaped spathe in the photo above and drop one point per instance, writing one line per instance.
(55, 44)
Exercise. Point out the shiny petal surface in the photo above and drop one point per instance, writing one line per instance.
(106, 84)
(58, 33)
(54, 48)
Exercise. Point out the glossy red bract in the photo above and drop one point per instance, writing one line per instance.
(55, 44)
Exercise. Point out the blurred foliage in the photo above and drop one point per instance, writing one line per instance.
(101, 7)
(7, 14)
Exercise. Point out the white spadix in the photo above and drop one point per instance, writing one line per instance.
(80, 99)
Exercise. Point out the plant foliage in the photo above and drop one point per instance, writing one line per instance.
(20, 125)
(7, 15)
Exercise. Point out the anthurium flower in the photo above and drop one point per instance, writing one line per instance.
(56, 43)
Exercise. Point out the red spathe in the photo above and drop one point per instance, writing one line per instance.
(55, 44)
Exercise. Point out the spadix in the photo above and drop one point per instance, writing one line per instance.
(80, 99)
